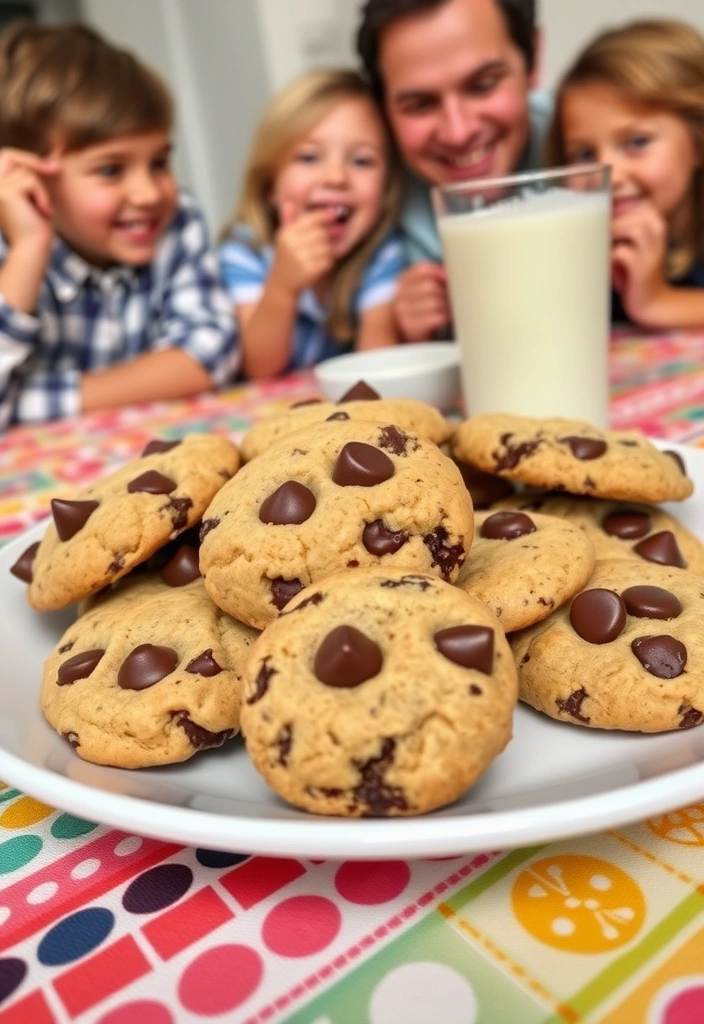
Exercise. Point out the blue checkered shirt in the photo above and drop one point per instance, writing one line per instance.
(89, 319)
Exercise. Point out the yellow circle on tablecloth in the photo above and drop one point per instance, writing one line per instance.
(685, 827)
(578, 904)
(23, 812)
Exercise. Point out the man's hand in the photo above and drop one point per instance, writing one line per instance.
(421, 306)
(25, 207)
(638, 257)
(303, 252)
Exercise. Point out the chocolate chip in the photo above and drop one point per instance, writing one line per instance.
(117, 564)
(485, 488)
(66, 647)
(396, 441)
(447, 556)
(156, 446)
(283, 590)
(359, 392)
(263, 679)
(651, 603)
(476, 691)
(283, 742)
(506, 526)
(661, 548)
(72, 738)
(206, 526)
(628, 525)
(409, 580)
(690, 716)
(79, 666)
(678, 459)
(146, 665)
(314, 599)
(513, 454)
(22, 568)
(379, 540)
(204, 664)
(585, 448)
(200, 738)
(468, 646)
(361, 465)
(182, 568)
(151, 482)
(71, 516)
(598, 615)
(290, 503)
(373, 791)
(347, 658)
(306, 401)
(662, 656)
(337, 416)
(572, 706)
(179, 509)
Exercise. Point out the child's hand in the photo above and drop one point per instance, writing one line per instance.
(25, 207)
(422, 305)
(303, 253)
(638, 254)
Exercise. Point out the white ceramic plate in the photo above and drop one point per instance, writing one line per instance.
(553, 780)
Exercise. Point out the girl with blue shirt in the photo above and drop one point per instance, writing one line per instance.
(309, 258)
(634, 99)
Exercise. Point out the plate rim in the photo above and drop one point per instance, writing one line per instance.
(312, 836)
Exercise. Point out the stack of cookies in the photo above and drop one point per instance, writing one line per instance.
(340, 601)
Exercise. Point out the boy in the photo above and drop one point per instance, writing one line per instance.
(108, 291)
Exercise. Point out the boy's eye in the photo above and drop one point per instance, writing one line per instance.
(364, 161)
(306, 157)
(162, 163)
(638, 142)
(581, 155)
(108, 170)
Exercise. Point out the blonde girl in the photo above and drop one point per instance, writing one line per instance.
(634, 99)
(309, 257)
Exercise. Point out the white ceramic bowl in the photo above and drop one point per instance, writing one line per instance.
(429, 371)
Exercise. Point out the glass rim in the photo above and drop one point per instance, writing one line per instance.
(519, 177)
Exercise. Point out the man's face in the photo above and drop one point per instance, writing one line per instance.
(456, 91)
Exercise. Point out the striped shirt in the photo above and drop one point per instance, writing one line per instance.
(245, 270)
(89, 319)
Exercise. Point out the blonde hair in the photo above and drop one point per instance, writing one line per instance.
(658, 64)
(65, 83)
(290, 115)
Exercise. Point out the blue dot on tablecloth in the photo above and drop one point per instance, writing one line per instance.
(219, 859)
(75, 936)
(68, 826)
(12, 972)
(18, 851)
(157, 888)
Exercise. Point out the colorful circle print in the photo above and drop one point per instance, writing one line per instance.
(578, 904)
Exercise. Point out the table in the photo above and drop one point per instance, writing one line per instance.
(102, 927)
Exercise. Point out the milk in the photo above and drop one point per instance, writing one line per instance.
(529, 289)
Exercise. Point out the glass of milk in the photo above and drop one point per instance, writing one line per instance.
(528, 264)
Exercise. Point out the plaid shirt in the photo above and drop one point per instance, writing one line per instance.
(88, 319)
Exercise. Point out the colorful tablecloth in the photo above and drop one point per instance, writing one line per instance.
(102, 927)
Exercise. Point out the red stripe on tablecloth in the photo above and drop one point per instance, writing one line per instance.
(108, 971)
(33, 1009)
(255, 879)
(186, 923)
(26, 919)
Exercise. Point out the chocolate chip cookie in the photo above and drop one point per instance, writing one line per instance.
(334, 496)
(378, 693)
(626, 653)
(360, 403)
(573, 456)
(151, 674)
(524, 565)
(106, 529)
(621, 529)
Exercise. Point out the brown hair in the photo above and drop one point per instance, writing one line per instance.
(658, 64)
(66, 82)
(377, 15)
(290, 114)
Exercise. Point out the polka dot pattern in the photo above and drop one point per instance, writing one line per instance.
(301, 925)
(75, 936)
(141, 1011)
(12, 973)
(157, 888)
(220, 980)
(15, 853)
(369, 883)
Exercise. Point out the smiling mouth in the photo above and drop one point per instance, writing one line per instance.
(343, 212)
(462, 161)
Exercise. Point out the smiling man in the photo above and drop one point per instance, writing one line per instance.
(454, 78)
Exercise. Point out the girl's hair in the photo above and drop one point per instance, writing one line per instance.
(290, 115)
(65, 83)
(658, 64)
